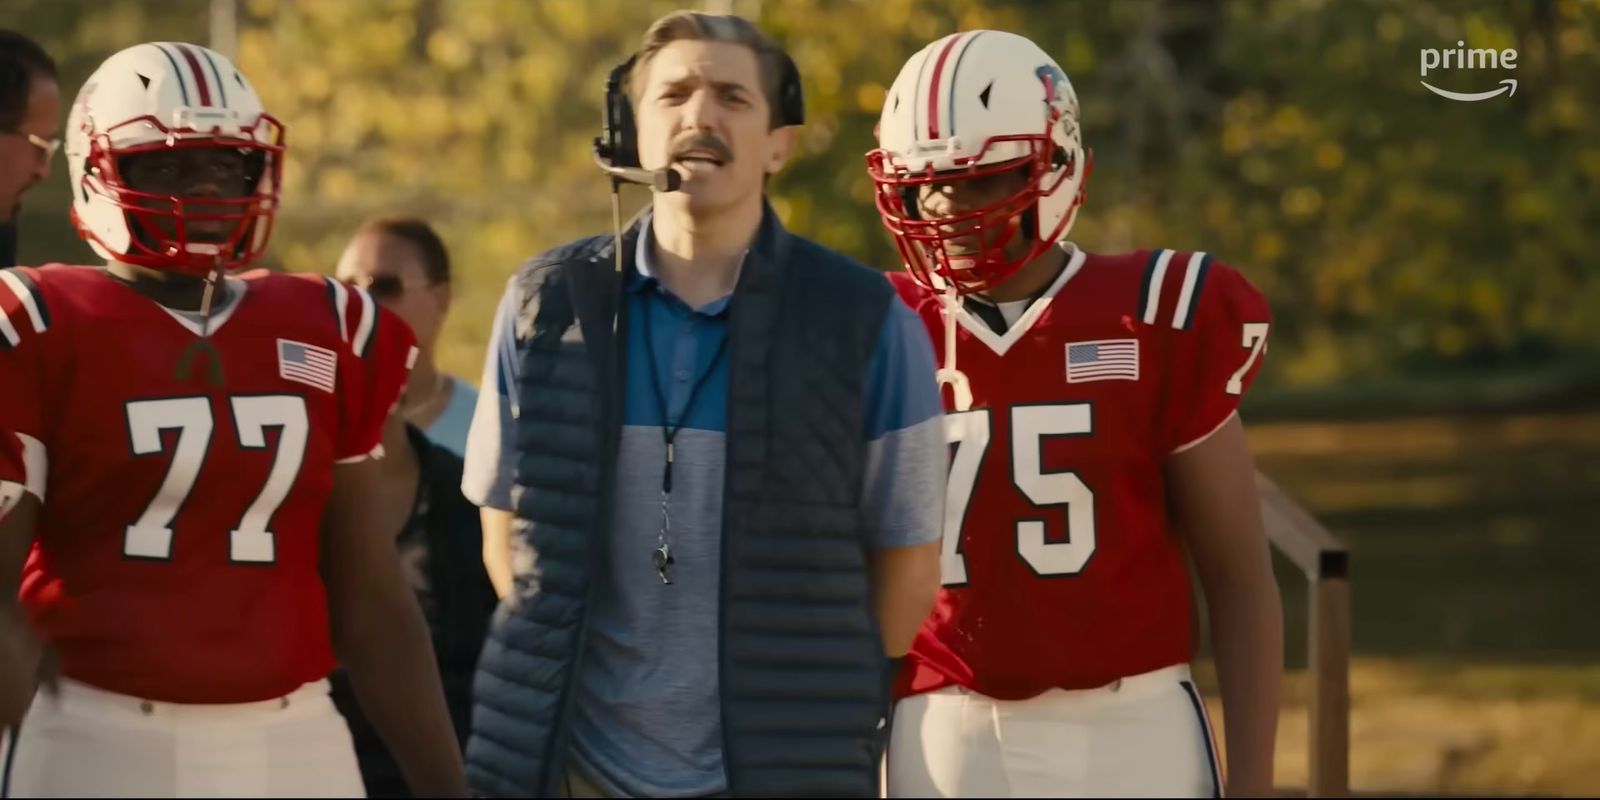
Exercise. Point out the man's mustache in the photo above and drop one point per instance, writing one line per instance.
(707, 143)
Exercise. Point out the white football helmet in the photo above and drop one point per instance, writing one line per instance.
(972, 105)
(163, 95)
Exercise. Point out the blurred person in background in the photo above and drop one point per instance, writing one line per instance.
(441, 551)
(404, 264)
(30, 111)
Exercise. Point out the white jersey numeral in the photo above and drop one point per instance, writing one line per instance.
(969, 433)
(1030, 426)
(1255, 338)
(150, 536)
(252, 541)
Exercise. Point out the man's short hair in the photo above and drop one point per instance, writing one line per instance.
(419, 234)
(695, 26)
(22, 61)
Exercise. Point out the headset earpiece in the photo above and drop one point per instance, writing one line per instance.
(618, 143)
(791, 98)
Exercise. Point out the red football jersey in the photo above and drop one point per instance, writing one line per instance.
(185, 476)
(1060, 566)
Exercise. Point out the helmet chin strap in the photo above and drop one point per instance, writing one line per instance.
(213, 280)
(948, 374)
(202, 345)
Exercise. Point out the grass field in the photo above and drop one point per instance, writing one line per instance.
(1475, 564)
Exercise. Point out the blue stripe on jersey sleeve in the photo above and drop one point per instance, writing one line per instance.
(901, 388)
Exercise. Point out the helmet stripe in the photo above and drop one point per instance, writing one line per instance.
(933, 86)
(199, 76)
(916, 97)
(222, 88)
(183, 86)
(956, 70)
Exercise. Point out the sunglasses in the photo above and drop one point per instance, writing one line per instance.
(385, 287)
(47, 147)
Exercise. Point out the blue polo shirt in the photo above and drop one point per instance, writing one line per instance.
(646, 717)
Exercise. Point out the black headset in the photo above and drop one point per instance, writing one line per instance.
(616, 149)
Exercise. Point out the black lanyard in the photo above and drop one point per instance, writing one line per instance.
(662, 555)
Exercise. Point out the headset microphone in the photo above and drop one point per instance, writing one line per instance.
(661, 180)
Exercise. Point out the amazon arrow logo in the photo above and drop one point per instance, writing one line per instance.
(1508, 88)
(1478, 58)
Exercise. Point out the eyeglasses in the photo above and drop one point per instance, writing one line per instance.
(47, 147)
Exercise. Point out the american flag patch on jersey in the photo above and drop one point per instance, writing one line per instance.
(1105, 360)
(308, 364)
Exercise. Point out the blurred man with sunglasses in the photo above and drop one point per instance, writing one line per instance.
(403, 263)
(30, 106)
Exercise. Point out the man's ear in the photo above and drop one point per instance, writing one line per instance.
(781, 145)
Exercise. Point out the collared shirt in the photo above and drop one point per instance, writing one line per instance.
(450, 429)
(647, 720)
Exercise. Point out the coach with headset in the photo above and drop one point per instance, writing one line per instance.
(710, 459)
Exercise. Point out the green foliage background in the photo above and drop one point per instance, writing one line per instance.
(1397, 233)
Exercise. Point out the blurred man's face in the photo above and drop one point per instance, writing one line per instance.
(701, 110)
(391, 270)
(26, 152)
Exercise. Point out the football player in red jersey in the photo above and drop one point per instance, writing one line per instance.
(203, 528)
(1094, 444)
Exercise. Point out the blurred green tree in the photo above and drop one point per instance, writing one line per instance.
(1394, 230)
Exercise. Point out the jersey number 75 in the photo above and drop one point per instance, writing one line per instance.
(968, 433)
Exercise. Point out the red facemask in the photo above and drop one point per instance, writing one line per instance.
(968, 250)
(160, 224)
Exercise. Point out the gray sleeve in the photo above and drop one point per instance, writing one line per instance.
(905, 486)
(907, 458)
(490, 464)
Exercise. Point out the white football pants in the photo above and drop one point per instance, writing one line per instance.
(88, 742)
(1144, 736)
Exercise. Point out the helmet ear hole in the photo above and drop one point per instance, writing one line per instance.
(1058, 158)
